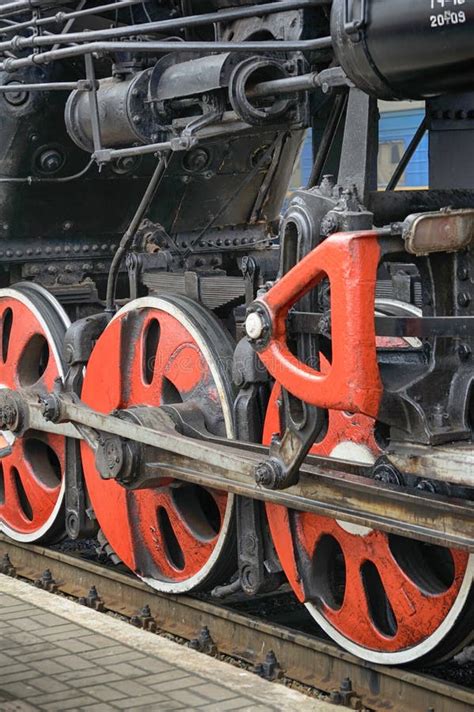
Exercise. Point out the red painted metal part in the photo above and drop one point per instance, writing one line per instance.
(418, 611)
(138, 525)
(31, 473)
(352, 382)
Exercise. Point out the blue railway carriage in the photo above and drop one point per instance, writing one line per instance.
(398, 123)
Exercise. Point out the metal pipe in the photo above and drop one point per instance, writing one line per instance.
(47, 86)
(10, 64)
(43, 179)
(340, 104)
(93, 103)
(60, 17)
(228, 123)
(109, 154)
(69, 23)
(13, 8)
(305, 82)
(161, 26)
(132, 229)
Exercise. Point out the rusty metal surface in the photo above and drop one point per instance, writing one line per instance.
(417, 515)
(442, 231)
(305, 659)
(453, 461)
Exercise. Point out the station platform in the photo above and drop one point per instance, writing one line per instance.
(58, 655)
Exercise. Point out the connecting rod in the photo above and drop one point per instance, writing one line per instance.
(321, 489)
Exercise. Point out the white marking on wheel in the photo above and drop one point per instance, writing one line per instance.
(362, 455)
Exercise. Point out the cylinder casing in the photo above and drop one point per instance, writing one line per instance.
(124, 115)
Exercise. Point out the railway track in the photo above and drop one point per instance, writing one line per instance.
(303, 658)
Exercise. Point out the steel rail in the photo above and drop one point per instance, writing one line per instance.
(339, 494)
(303, 658)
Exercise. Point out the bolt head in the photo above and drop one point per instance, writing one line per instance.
(16, 98)
(263, 474)
(50, 161)
(254, 326)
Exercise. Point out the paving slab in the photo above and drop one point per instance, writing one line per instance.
(137, 670)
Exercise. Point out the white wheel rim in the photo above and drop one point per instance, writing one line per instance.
(23, 299)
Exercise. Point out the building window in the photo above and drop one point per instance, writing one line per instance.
(390, 153)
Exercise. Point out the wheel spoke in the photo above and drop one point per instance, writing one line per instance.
(407, 599)
(10, 509)
(165, 528)
(37, 493)
(386, 599)
(183, 546)
(33, 464)
(355, 602)
(220, 498)
(169, 536)
(165, 365)
(19, 336)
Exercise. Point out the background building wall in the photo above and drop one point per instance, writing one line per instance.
(398, 123)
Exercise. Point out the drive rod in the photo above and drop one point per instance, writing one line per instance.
(405, 512)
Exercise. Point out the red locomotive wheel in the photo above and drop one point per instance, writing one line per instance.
(32, 327)
(387, 599)
(158, 351)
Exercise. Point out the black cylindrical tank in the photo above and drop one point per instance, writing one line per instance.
(408, 49)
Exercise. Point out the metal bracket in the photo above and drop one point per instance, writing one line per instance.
(352, 25)
(78, 344)
(352, 382)
(257, 569)
(302, 423)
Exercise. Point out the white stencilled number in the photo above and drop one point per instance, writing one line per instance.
(448, 17)
(435, 4)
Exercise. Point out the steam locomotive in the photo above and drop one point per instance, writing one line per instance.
(230, 386)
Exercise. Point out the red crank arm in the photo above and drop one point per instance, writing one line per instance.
(352, 381)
